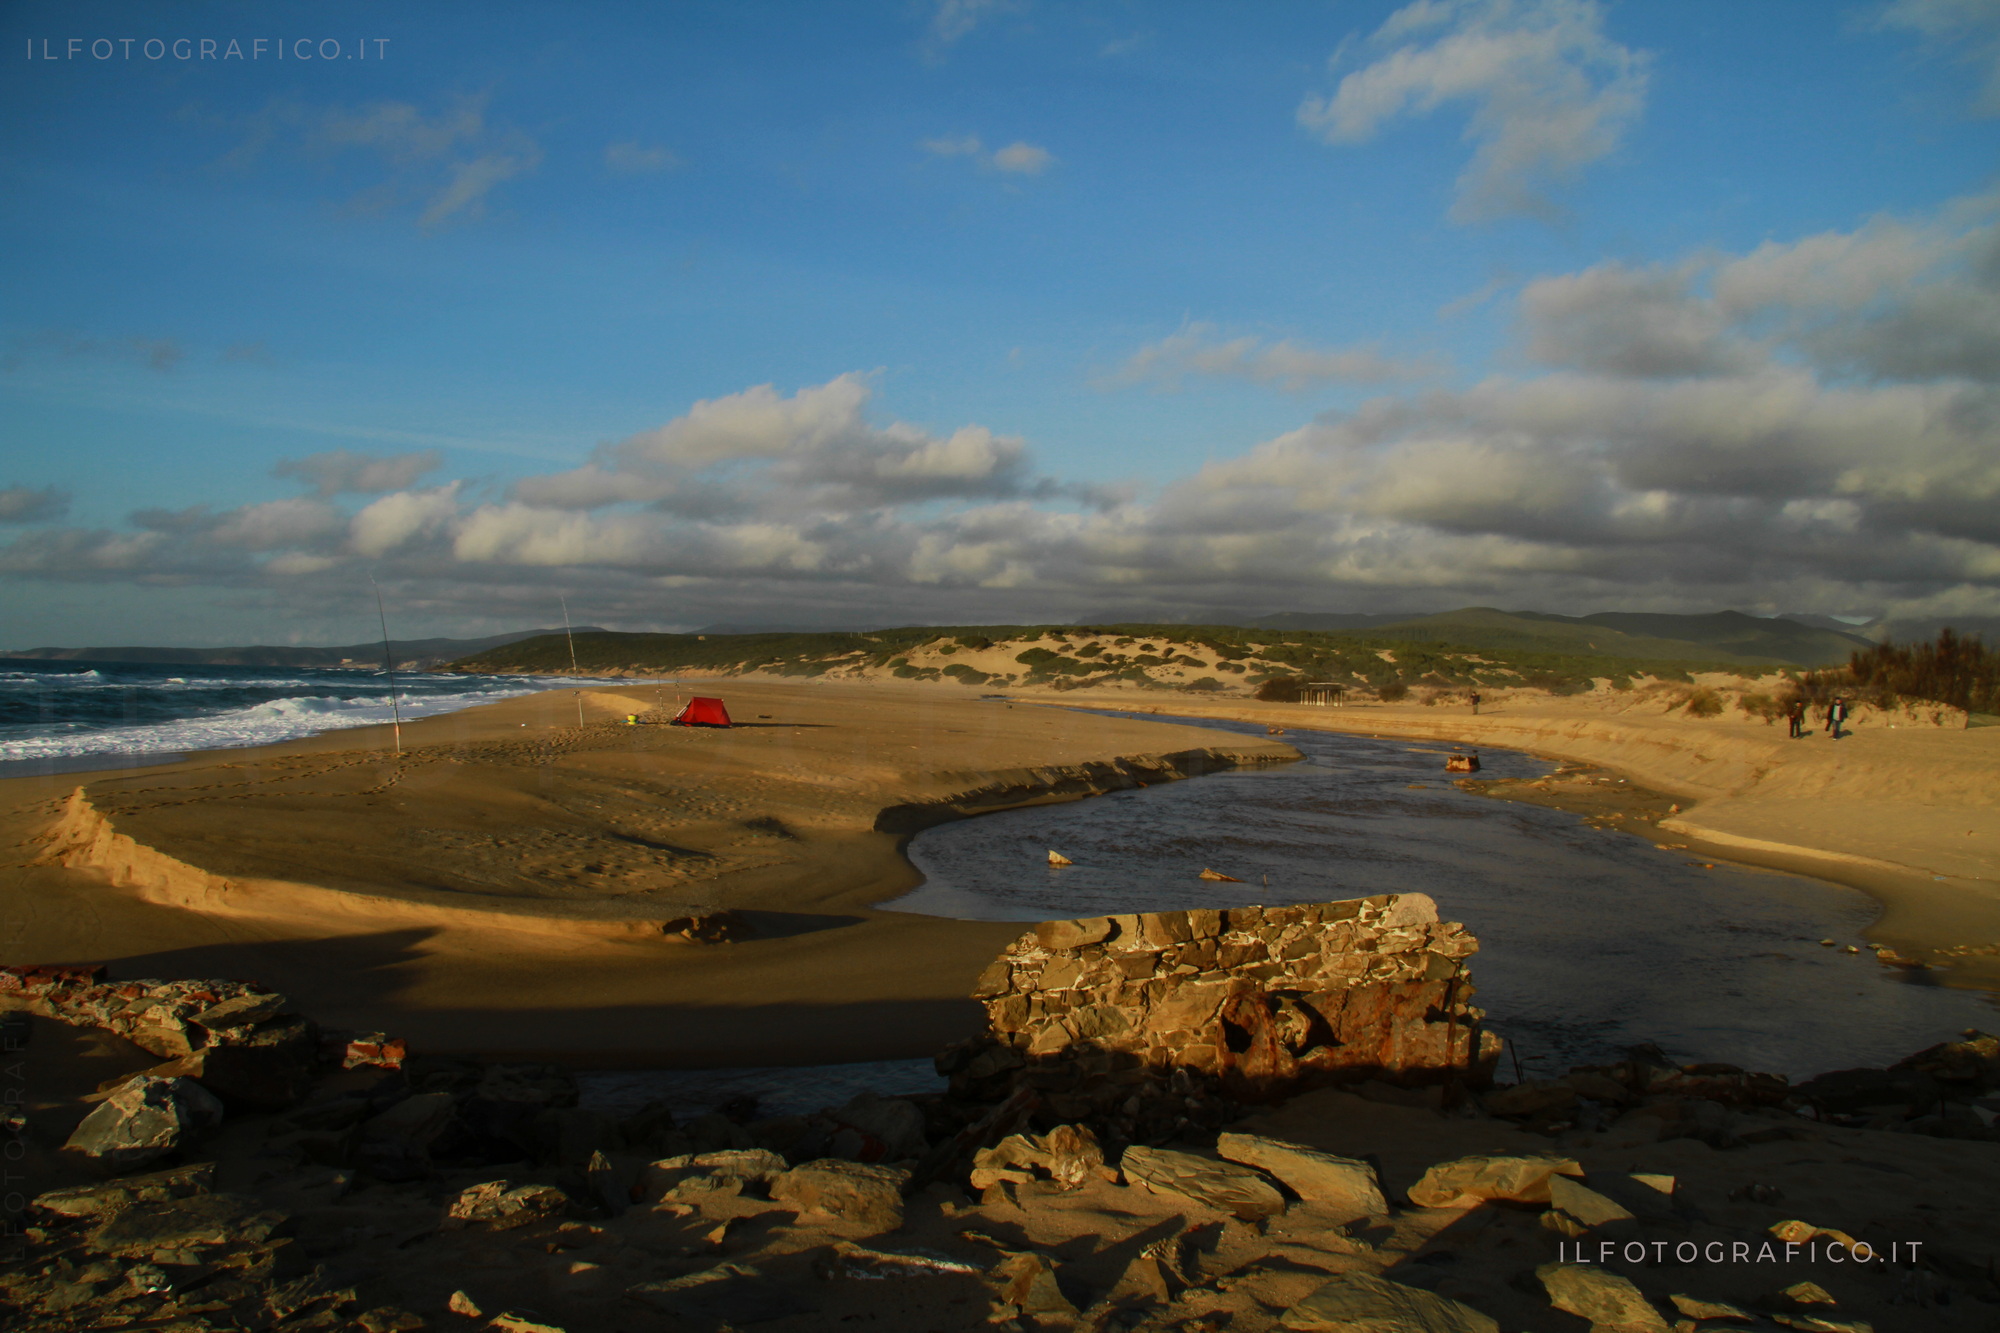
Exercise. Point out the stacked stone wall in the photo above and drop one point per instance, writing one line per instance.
(1244, 1003)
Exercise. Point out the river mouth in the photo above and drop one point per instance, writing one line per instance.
(1591, 940)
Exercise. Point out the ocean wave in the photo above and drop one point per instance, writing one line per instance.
(258, 724)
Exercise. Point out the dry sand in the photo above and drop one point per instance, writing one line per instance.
(500, 890)
(1908, 814)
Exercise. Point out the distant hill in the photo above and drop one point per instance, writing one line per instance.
(406, 652)
(1327, 620)
(1727, 637)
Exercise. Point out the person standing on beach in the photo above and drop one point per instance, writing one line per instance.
(1836, 713)
(1795, 714)
(1475, 703)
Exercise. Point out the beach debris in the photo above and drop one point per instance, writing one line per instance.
(1227, 1186)
(1467, 1182)
(1365, 1301)
(852, 1260)
(501, 1205)
(861, 1193)
(1605, 1299)
(1058, 859)
(1462, 763)
(1342, 1185)
(1218, 877)
(144, 1120)
(1069, 1155)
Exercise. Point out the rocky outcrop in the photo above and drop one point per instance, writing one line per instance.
(1247, 1003)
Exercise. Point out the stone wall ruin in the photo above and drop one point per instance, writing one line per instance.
(1125, 1019)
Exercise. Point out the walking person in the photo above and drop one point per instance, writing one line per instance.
(1475, 703)
(1795, 714)
(1836, 713)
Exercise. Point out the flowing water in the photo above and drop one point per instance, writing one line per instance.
(1590, 940)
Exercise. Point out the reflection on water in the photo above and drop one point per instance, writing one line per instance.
(1590, 940)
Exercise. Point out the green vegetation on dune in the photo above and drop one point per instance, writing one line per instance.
(1185, 657)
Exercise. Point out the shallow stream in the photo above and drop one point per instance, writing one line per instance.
(1591, 940)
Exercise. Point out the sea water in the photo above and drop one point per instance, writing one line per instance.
(1590, 940)
(61, 716)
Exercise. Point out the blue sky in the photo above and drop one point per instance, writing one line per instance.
(978, 312)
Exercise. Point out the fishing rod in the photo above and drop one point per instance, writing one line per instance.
(388, 665)
(574, 670)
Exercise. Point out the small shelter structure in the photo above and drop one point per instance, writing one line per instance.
(702, 711)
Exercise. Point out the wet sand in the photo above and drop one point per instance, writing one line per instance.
(501, 890)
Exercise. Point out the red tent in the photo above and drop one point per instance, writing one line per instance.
(702, 712)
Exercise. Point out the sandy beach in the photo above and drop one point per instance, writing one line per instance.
(512, 884)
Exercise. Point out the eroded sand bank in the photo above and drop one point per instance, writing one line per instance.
(502, 888)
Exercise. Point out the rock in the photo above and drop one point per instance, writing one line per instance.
(1075, 934)
(1800, 1233)
(180, 1182)
(500, 1205)
(857, 1192)
(510, 1322)
(1811, 1323)
(1223, 1185)
(389, 1319)
(1027, 1282)
(184, 1224)
(265, 1068)
(1608, 1301)
(876, 1129)
(396, 1144)
(569, 1136)
(730, 1294)
(145, 1120)
(1695, 1308)
(1586, 1205)
(1468, 1182)
(1531, 1098)
(1343, 1185)
(1802, 1294)
(362, 1049)
(242, 1011)
(463, 1304)
(689, 1175)
(1364, 1303)
(715, 1132)
(1852, 1091)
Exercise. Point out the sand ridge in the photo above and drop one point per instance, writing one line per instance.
(497, 888)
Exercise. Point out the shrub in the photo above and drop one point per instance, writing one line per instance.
(1758, 704)
(1034, 657)
(1392, 692)
(975, 642)
(960, 671)
(1704, 702)
(1280, 689)
(1206, 685)
(1962, 673)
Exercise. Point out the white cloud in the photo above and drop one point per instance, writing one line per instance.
(1967, 29)
(953, 20)
(1023, 159)
(1019, 158)
(400, 518)
(1550, 93)
(22, 504)
(1287, 364)
(340, 471)
(636, 159)
(1725, 430)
